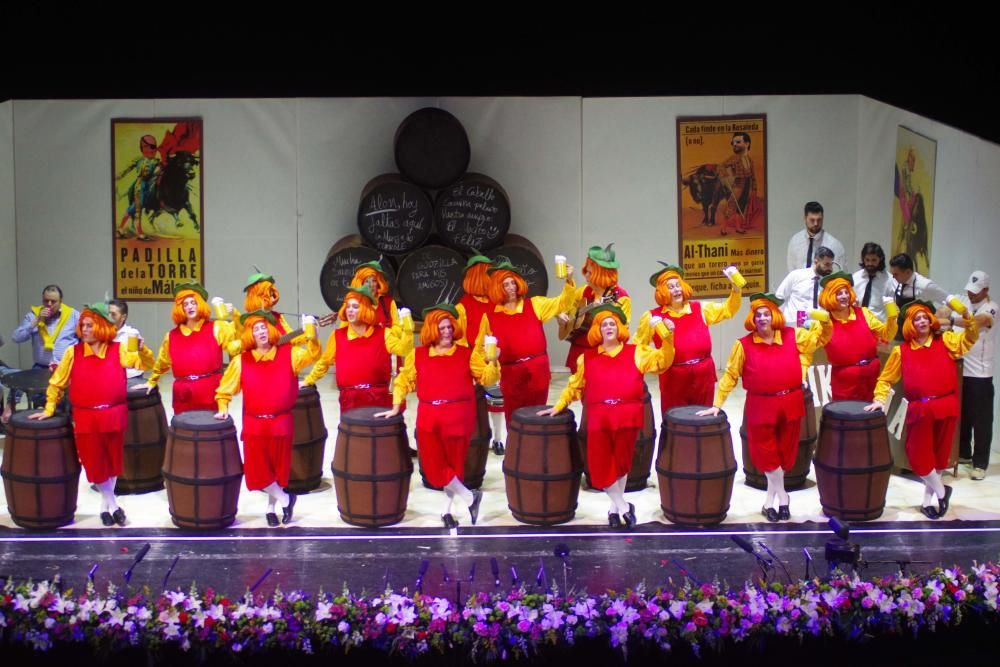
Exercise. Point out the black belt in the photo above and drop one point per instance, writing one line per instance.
(384, 385)
(270, 416)
(614, 401)
(690, 362)
(931, 398)
(102, 406)
(521, 360)
(197, 377)
(863, 362)
(445, 401)
(783, 392)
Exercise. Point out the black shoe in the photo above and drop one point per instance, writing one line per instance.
(943, 502)
(770, 514)
(477, 497)
(614, 520)
(119, 516)
(272, 519)
(629, 517)
(498, 448)
(929, 512)
(783, 513)
(106, 519)
(286, 512)
(449, 521)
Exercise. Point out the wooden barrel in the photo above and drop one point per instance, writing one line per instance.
(853, 461)
(796, 477)
(41, 471)
(542, 467)
(523, 254)
(394, 216)
(145, 441)
(308, 442)
(479, 447)
(429, 276)
(695, 467)
(431, 148)
(473, 215)
(371, 468)
(202, 470)
(342, 261)
(642, 457)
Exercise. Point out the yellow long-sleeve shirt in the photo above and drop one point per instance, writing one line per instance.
(302, 356)
(807, 340)
(398, 341)
(545, 308)
(712, 312)
(647, 360)
(957, 343)
(224, 333)
(884, 330)
(60, 378)
(393, 316)
(487, 374)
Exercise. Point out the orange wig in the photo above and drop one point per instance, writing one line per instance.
(600, 276)
(497, 294)
(366, 272)
(476, 281)
(261, 296)
(777, 319)
(247, 341)
(828, 297)
(594, 336)
(177, 314)
(429, 332)
(662, 294)
(909, 331)
(104, 331)
(366, 310)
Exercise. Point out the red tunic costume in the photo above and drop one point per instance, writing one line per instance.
(474, 311)
(613, 393)
(363, 370)
(772, 377)
(691, 379)
(852, 353)
(269, 392)
(446, 415)
(97, 392)
(197, 365)
(524, 362)
(930, 386)
(578, 345)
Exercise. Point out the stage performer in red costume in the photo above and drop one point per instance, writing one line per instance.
(609, 378)
(192, 350)
(926, 362)
(691, 378)
(94, 371)
(443, 374)
(362, 352)
(852, 350)
(516, 322)
(769, 359)
(267, 374)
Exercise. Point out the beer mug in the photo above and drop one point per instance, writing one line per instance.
(560, 266)
(819, 315)
(404, 316)
(956, 304)
(309, 326)
(490, 347)
(133, 343)
(734, 275)
(891, 307)
(219, 308)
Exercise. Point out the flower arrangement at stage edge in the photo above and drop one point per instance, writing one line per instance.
(501, 626)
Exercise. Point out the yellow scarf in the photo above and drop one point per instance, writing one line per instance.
(49, 339)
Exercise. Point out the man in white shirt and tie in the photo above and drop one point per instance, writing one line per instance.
(871, 279)
(803, 245)
(800, 289)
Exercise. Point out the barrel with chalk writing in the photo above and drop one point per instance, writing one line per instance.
(525, 257)
(394, 216)
(342, 261)
(473, 215)
(429, 276)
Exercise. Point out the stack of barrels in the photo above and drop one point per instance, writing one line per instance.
(423, 222)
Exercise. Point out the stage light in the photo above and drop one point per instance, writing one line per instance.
(495, 569)
(841, 530)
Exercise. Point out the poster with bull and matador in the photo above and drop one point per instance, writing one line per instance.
(913, 197)
(722, 201)
(156, 185)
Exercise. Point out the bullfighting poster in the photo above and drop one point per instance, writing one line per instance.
(722, 201)
(913, 197)
(156, 189)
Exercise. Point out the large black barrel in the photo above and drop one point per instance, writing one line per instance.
(473, 214)
(342, 261)
(394, 215)
(525, 257)
(429, 276)
(432, 148)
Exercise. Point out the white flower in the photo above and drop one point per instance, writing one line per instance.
(143, 614)
(323, 611)
(268, 628)
(677, 608)
(129, 627)
(171, 630)
(21, 603)
(176, 597)
(216, 612)
(169, 616)
(705, 606)
(49, 622)
(405, 616)
(116, 617)
(440, 609)
(343, 627)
